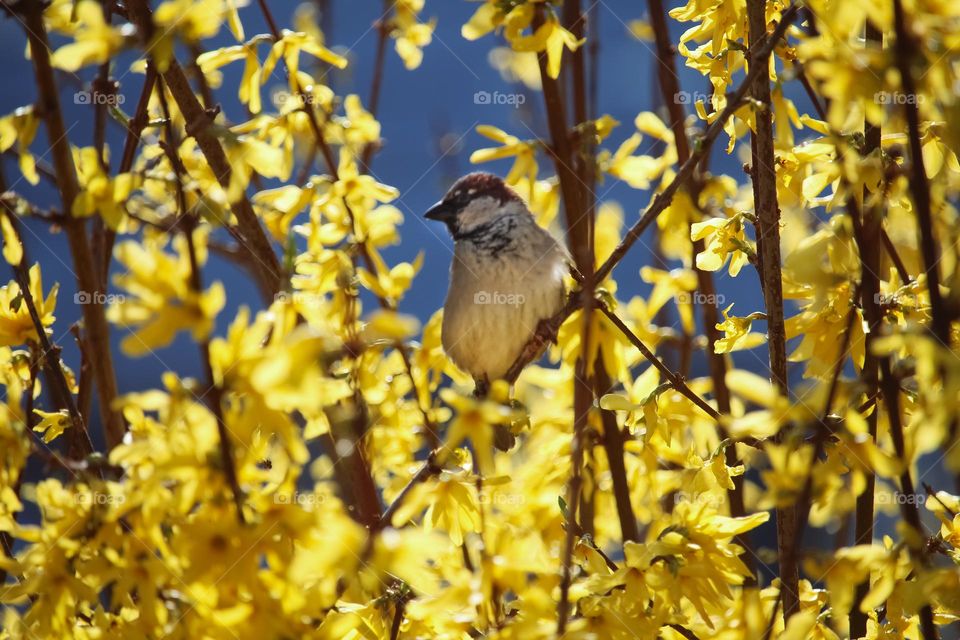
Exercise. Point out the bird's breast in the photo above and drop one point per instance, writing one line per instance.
(494, 306)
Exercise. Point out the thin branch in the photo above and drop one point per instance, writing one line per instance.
(919, 183)
(397, 620)
(373, 103)
(135, 129)
(88, 282)
(686, 633)
(268, 272)
(49, 356)
(890, 390)
(676, 380)
(670, 91)
(429, 469)
(360, 243)
(214, 397)
(929, 249)
(767, 212)
(575, 172)
(545, 334)
(613, 439)
(866, 231)
(762, 51)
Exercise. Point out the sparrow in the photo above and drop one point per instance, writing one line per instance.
(507, 276)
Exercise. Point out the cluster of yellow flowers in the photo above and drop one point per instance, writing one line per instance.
(334, 477)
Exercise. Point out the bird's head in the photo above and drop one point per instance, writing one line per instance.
(474, 201)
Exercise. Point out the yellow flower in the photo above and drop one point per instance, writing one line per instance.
(726, 240)
(16, 325)
(549, 36)
(12, 247)
(189, 20)
(737, 335)
(249, 87)
(161, 301)
(52, 424)
(475, 419)
(451, 505)
(100, 193)
(20, 128)
(552, 38)
(95, 41)
(524, 153)
(411, 35)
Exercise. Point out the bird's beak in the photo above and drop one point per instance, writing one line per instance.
(441, 211)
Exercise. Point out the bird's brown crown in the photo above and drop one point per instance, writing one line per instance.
(478, 185)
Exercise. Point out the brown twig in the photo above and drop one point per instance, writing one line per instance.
(397, 620)
(429, 469)
(761, 51)
(920, 189)
(267, 267)
(890, 390)
(88, 282)
(919, 183)
(373, 104)
(49, 356)
(670, 91)
(360, 243)
(676, 381)
(187, 224)
(767, 212)
(686, 633)
(575, 173)
(103, 90)
(135, 129)
(613, 439)
(545, 334)
(867, 230)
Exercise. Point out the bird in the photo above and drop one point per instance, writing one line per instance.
(507, 277)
